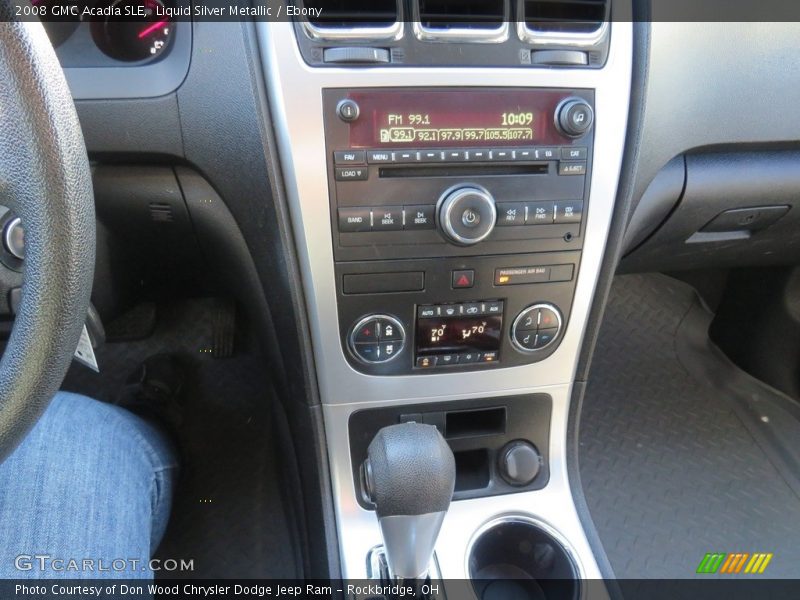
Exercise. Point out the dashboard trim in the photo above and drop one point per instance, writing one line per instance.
(295, 91)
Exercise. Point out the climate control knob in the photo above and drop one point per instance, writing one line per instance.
(377, 339)
(536, 328)
(467, 215)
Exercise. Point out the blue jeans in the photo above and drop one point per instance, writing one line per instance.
(86, 495)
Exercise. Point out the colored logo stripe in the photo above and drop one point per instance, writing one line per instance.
(733, 563)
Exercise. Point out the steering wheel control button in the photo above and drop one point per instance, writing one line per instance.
(355, 219)
(520, 462)
(568, 212)
(574, 117)
(14, 238)
(467, 215)
(463, 279)
(348, 110)
(377, 339)
(536, 328)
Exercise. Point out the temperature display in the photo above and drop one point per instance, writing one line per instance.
(454, 118)
(458, 334)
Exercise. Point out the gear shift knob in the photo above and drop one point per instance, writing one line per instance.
(409, 475)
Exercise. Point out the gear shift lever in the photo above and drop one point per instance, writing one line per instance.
(409, 475)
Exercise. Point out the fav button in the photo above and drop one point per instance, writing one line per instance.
(350, 157)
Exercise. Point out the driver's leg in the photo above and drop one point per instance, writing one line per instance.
(91, 482)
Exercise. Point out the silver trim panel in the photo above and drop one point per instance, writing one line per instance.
(295, 91)
(560, 38)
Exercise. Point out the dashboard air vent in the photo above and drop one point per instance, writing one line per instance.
(462, 20)
(354, 19)
(571, 22)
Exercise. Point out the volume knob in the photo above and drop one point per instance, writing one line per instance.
(467, 215)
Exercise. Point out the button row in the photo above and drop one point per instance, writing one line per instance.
(539, 213)
(450, 360)
(470, 309)
(363, 157)
(387, 218)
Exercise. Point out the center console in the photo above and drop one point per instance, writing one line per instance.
(457, 221)
(450, 224)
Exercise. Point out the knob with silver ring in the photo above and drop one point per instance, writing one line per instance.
(536, 328)
(377, 339)
(14, 238)
(467, 214)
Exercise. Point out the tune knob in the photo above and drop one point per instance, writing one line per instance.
(574, 117)
(467, 215)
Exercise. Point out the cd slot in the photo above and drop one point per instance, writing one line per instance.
(463, 170)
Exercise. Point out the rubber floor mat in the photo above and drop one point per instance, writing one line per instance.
(669, 467)
(228, 516)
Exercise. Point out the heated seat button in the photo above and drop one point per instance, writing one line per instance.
(354, 219)
(526, 339)
(389, 349)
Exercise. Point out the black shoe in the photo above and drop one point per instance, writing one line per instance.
(153, 391)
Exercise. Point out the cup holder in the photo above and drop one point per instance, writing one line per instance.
(516, 558)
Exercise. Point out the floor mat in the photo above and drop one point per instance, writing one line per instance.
(670, 468)
(228, 516)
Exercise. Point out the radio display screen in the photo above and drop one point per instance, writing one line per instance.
(454, 118)
(445, 335)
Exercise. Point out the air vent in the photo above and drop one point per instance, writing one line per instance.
(461, 20)
(563, 22)
(355, 19)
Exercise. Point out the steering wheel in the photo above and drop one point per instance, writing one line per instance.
(45, 179)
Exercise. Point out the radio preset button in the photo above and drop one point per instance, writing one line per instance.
(352, 173)
(456, 155)
(510, 213)
(568, 212)
(525, 154)
(350, 157)
(420, 217)
(501, 155)
(355, 219)
(479, 155)
(539, 213)
(406, 156)
(387, 218)
(431, 156)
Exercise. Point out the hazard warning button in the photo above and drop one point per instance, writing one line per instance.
(463, 279)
